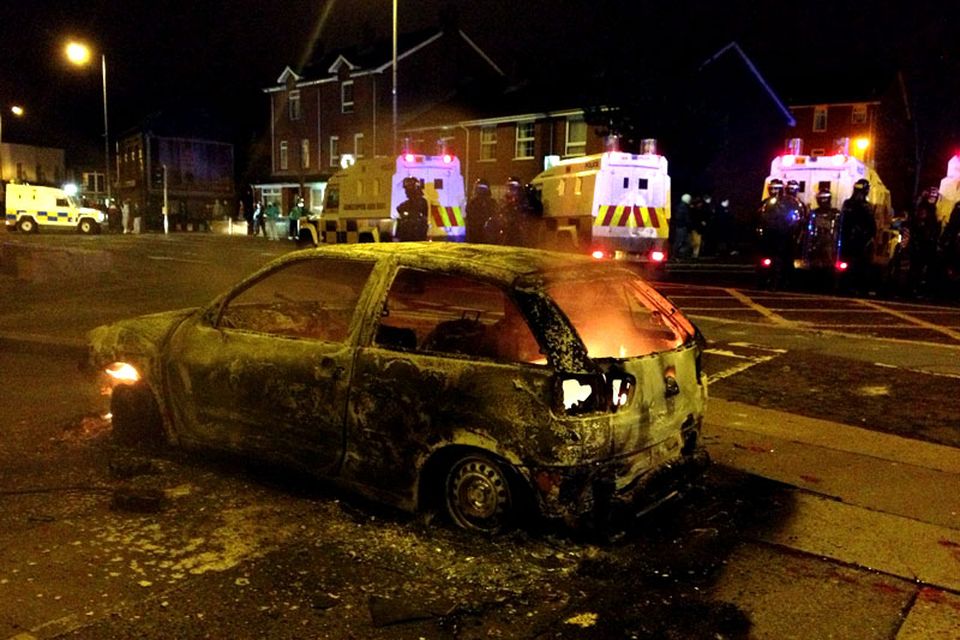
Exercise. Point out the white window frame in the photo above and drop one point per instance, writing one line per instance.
(358, 145)
(488, 143)
(525, 140)
(293, 105)
(858, 115)
(305, 153)
(284, 156)
(346, 106)
(575, 147)
(820, 118)
(334, 151)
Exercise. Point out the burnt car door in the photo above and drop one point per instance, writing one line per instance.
(267, 370)
(449, 355)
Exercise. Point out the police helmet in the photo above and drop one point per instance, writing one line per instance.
(793, 187)
(481, 184)
(411, 183)
(775, 187)
(861, 186)
(931, 194)
(824, 195)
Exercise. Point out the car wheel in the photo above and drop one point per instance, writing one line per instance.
(27, 225)
(136, 417)
(478, 494)
(87, 226)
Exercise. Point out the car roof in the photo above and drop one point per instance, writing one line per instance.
(492, 262)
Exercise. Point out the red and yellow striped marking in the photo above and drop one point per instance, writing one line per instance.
(631, 216)
(446, 216)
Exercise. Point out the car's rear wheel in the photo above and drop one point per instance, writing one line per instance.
(27, 225)
(136, 417)
(478, 494)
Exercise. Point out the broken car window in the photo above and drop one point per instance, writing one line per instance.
(314, 298)
(616, 318)
(440, 313)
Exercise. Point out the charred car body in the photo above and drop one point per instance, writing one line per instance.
(478, 379)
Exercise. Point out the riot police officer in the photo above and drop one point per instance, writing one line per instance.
(778, 231)
(924, 233)
(412, 212)
(858, 227)
(480, 209)
(820, 233)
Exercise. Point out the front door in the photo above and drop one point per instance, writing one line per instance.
(269, 374)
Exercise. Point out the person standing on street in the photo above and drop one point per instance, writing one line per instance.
(412, 213)
(679, 223)
(857, 230)
(293, 232)
(924, 230)
(273, 217)
(480, 209)
(125, 217)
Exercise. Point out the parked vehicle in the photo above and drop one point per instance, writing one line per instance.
(485, 381)
(360, 201)
(615, 203)
(30, 208)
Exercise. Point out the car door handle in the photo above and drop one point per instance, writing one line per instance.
(671, 386)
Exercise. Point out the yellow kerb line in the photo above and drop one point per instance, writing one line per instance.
(917, 321)
(767, 313)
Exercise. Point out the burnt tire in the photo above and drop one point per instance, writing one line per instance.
(478, 494)
(26, 225)
(136, 417)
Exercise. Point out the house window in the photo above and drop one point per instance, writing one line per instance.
(525, 139)
(859, 115)
(284, 156)
(488, 143)
(334, 151)
(820, 118)
(358, 145)
(576, 137)
(293, 104)
(346, 96)
(305, 153)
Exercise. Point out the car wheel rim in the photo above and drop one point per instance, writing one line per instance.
(478, 494)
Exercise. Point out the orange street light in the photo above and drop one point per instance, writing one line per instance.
(79, 54)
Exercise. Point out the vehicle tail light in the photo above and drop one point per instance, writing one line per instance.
(658, 256)
(409, 157)
(766, 262)
(598, 254)
(447, 158)
(841, 266)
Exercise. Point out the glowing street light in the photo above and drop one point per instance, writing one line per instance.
(18, 111)
(79, 54)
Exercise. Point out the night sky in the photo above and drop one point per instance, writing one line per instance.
(218, 54)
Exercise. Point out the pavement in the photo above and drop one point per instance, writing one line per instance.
(863, 499)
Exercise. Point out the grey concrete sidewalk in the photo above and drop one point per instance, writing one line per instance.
(866, 499)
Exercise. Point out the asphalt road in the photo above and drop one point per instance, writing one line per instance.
(833, 511)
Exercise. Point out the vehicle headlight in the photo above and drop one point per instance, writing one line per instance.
(123, 373)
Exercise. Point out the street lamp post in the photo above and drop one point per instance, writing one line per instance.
(79, 54)
(16, 110)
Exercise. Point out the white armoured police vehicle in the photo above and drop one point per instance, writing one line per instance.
(29, 208)
(949, 190)
(360, 201)
(612, 203)
(837, 175)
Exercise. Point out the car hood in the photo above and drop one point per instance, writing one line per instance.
(140, 336)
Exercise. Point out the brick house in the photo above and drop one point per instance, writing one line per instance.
(199, 170)
(845, 127)
(341, 104)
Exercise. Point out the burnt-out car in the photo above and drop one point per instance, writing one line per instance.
(484, 381)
